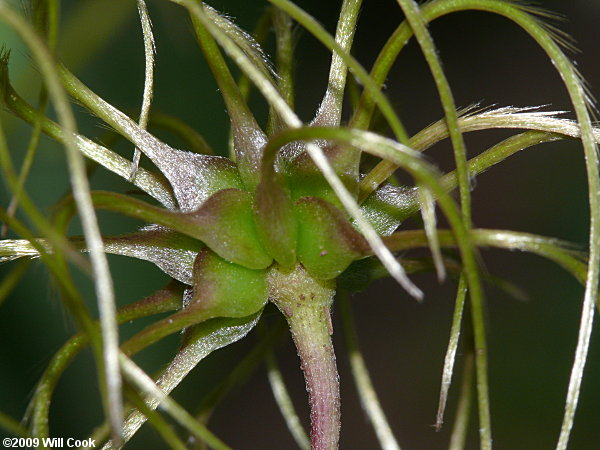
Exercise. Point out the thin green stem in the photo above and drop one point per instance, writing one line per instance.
(284, 41)
(187, 317)
(285, 403)
(227, 85)
(552, 249)
(510, 118)
(59, 242)
(10, 280)
(102, 279)
(148, 79)
(167, 299)
(417, 22)
(152, 183)
(159, 424)
(362, 380)
(427, 202)
(200, 341)
(9, 424)
(46, 22)
(481, 162)
(58, 270)
(240, 373)
(387, 56)
(358, 71)
(178, 127)
(53, 13)
(260, 33)
(138, 377)
(30, 155)
(499, 153)
(574, 85)
(330, 110)
(458, 437)
(450, 358)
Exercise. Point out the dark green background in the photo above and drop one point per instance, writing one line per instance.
(542, 190)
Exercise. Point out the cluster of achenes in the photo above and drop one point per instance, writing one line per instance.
(291, 214)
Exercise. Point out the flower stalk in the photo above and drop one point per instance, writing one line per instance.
(305, 303)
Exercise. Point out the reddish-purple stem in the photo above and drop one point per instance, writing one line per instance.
(315, 349)
(306, 302)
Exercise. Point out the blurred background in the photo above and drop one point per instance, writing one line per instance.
(541, 190)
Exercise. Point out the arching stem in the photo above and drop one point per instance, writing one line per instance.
(306, 304)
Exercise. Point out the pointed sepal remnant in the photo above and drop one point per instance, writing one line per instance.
(193, 177)
(199, 342)
(172, 252)
(224, 289)
(249, 139)
(389, 206)
(327, 242)
(196, 177)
